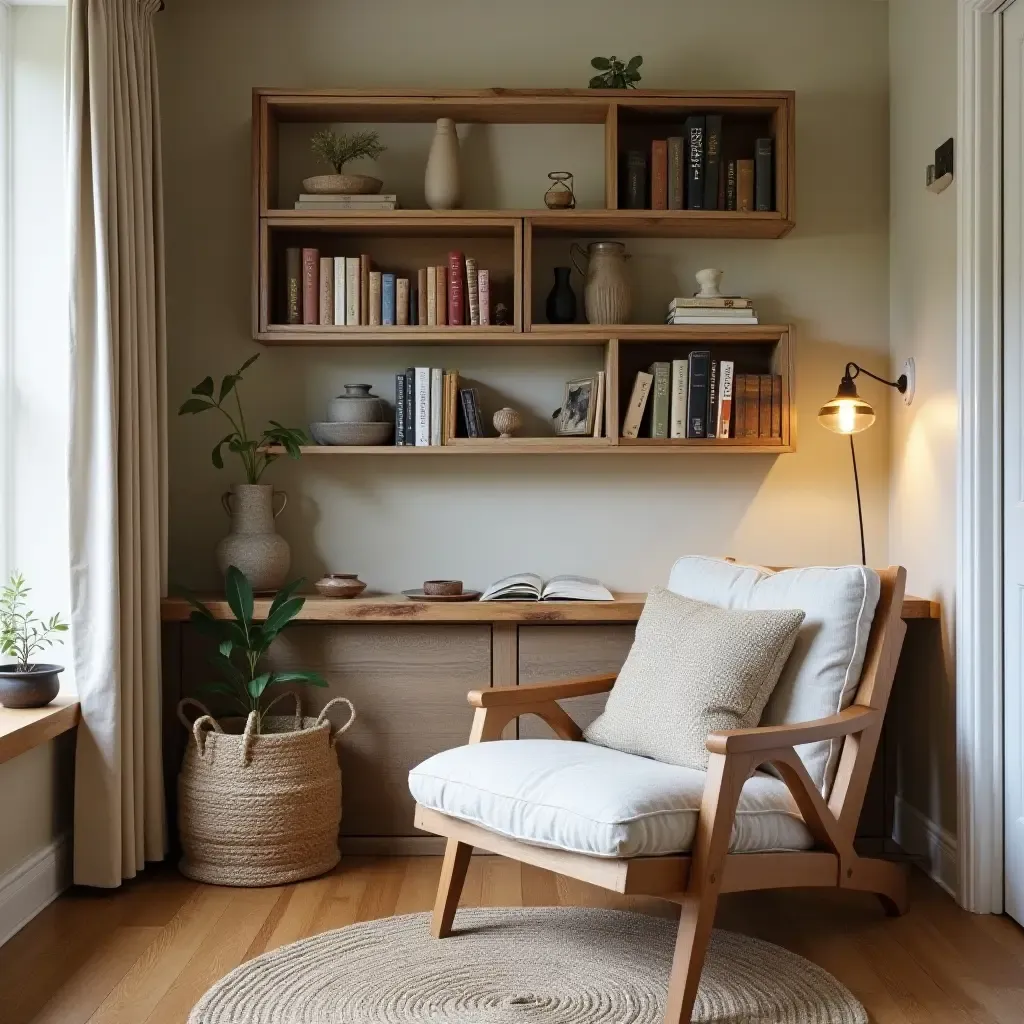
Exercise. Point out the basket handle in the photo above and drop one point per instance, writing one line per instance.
(298, 706)
(248, 737)
(205, 721)
(322, 717)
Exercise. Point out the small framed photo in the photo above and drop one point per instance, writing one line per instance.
(579, 406)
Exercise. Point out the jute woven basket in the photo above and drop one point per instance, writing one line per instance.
(260, 808)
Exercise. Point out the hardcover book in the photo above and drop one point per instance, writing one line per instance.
(764, 408)
(410, 406)
(375, 298)
(402, 301)
(599, 407)
(776, 406)
(473, 290)
(730, 185)
(466, 401)
(399, 410)
(712, 160)
(698, 302)
(676, 158)
(637, 404)
(680, 394)
(310, 286)
(484, 286)
(751, 402)
(695, 127)
(326, 291)
(339, 291)
(293, 285)
(421, 296)
(662, 373)
(432, 296)
(353, 313)
(436, 405)
(659, 174)
(422, 400)
(745, 185)
(697, 402)
(387, 299)
(443, 312)
(726, 373)
(711, 423)
(529, 587)
(456, 298)
(634, 181)
(364, 289)
(763, 175)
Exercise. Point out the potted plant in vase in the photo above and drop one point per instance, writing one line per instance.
(24, 684)
(253, 543)
(259, 795)
(338, 150)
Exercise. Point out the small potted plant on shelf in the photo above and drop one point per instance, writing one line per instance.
(615, 74)
(253, 544)
(24, 684)
(259, 795)
(336, 151)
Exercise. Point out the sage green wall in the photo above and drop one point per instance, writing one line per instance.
(398, 521)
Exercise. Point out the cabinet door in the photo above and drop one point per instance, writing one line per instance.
(547, 653)
(408, 683)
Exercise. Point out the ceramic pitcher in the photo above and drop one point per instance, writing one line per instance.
(606, 293)
(254, 545)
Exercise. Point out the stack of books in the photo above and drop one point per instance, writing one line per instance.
(699, 170)
(724, 310)
(431, 408)
(702, 397)
(346, 291)
(320, 202)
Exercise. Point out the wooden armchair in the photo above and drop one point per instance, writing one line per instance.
(694, 880)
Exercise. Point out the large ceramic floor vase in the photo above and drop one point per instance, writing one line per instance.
(253, 544)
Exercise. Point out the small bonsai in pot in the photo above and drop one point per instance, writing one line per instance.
(24, 683)
(336, 151)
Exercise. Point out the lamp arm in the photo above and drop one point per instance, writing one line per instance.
(854, 370)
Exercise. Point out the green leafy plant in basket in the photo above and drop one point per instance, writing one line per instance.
(251, 450)
(615, 74)
(242, 644)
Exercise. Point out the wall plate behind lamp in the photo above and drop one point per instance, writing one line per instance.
(940, 173)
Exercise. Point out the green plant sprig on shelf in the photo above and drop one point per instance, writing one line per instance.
(615, 74)
(338, 150)
(253, 452)
(21, 633)
(242, 644)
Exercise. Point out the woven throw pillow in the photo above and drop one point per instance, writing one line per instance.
(693, 668)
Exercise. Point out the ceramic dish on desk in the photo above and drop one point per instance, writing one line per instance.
(420, 595)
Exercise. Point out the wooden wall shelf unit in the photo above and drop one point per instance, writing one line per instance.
(503, 239)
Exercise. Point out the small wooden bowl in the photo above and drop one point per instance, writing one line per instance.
(442, 588)
(340, 585)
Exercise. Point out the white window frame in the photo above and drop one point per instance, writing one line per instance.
(7, 496)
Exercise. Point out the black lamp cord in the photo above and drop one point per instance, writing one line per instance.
(860, 511)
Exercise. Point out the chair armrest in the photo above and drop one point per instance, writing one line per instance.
(538, 693)
(772, 737)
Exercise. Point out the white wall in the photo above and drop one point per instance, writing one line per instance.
(922, 518)
(35, 789)
(399, 521)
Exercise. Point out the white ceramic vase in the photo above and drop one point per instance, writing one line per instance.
(254, 545)
(441, 185)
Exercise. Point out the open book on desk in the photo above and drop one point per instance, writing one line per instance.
(529, 587)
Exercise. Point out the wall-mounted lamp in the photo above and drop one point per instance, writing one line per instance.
(848, 413)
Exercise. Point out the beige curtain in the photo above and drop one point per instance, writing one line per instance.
(117, 465)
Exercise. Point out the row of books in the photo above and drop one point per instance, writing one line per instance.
(688, 172)
(700, 397)
(431, 408)
(708, 312)
(317, 203)
(345, 291)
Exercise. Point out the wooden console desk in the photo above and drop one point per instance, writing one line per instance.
(407, 666)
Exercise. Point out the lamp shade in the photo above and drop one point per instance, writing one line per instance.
(847, 413)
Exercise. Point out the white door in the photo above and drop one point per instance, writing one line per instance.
(1013, 452)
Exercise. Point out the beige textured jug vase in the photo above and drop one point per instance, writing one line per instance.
(442, 187)
(606, 293)
(254, 545)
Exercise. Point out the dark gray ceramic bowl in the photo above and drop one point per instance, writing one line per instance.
(32, 689)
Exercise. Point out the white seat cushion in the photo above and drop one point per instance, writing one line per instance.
(594, 800)
(821, 676)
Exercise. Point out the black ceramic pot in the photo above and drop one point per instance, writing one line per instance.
(32, 689)
(561, 304)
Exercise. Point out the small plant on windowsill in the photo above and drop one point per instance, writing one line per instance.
(24, 683)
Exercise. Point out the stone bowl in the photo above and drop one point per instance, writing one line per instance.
(442, 588)
(352, 433)
(342, 185)
(32, 689)
(340, 585)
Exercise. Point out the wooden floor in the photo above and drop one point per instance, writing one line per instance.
(144, 954)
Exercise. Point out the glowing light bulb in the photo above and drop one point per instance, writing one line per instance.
(847, 416)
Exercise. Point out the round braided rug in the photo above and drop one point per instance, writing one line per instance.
(529, 966)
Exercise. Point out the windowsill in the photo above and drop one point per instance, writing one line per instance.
(21, 729)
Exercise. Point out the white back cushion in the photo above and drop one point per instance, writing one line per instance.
(824, 668)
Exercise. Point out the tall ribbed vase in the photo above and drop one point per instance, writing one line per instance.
(254, 545)
(441, 183)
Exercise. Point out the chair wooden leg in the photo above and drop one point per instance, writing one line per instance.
(696, 920)
(887, 879)
(449, 889)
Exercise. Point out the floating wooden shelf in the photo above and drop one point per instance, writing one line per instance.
(558, 446)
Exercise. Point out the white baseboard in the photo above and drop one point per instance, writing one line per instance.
(33, 885)
(928, 841)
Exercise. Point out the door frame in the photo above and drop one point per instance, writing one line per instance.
(979, 597)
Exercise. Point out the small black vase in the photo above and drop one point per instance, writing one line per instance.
(561, 304)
